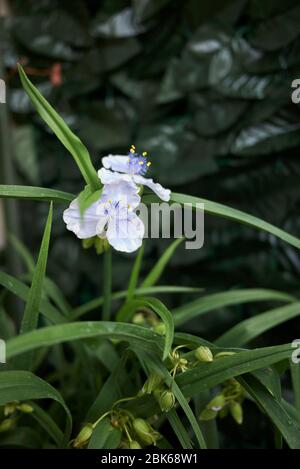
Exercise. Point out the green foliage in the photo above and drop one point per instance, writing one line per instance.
(227, 101)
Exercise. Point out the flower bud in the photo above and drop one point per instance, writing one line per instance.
(10, 408)
(153, 381)
(236, 411)
(224, 354)
(203, 354)
(138, 319)
(88, 243)
(134, 445)
(7, 424)
(145, 432)
(83, 436)
(217, 403)
(25, 408)
(208, 414)
(166, 401)
(160, 328)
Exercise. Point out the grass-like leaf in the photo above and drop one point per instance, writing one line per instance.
(35, 193)
(155, 273)
(214, 301)
(31, 313)
(249, 329)
(32, 308)
(207, 375)
(105, 436)
(21, 290)
(214, 208)
(287, 426)
(47, 336)
(72, 143)
(160, 309)
(96, 302)
(24, 385)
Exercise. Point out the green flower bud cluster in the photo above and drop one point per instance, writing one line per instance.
(147, 318)
(136, 432)
(204, 354)
(144, 432)
(229, 400)
(178, 363)
(83, 436)
(101, 245)
(164, 396)
(12, 411)
(15, 406)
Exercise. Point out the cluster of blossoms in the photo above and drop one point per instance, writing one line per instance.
(113, 217)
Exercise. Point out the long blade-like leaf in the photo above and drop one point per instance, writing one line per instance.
(24, 385)
(46, 336)
(233, 214)
(160, 309)
(159, 267)
(62, 131)
(35, 193)
(247, 330)
(219, 300)
(31, 313)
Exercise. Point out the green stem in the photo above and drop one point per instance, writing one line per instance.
(107, 280)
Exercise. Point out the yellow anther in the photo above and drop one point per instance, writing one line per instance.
(149, 163)
(144, 153)
(132, 150)
(110, 201)
(141, 163)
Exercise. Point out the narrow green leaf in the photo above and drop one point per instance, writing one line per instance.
(179, 429)
(50, 287)
(21, 290)
(107, 281)
(220, 300)
(31, 313)
(47, 423)
(160, 309)
(23, 386)
(135, 273)
(47, 336)
(35, 193)
(154, 275)
(207, 375)
(249, 329)
(105, 436)
(32, 308)
(62, 131)
(96, 302)
(159, 368)
(295, 373)
(214, 208)
(287, 426)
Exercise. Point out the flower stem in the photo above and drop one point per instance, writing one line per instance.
(107, 285)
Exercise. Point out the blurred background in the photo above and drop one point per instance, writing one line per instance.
(205, 88)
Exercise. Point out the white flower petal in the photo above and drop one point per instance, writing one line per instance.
(163, 194)
(116, 163)
(108, 177)
(126, 235)
(123, 191)
(83, 226)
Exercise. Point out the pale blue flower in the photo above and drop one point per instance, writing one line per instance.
(132, 167)
(112, 217)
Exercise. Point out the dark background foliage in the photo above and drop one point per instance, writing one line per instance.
(205, 88)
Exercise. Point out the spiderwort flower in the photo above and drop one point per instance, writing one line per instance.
(112, 217)
(132, 167)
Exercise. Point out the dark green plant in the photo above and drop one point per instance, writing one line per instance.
(126, 381)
